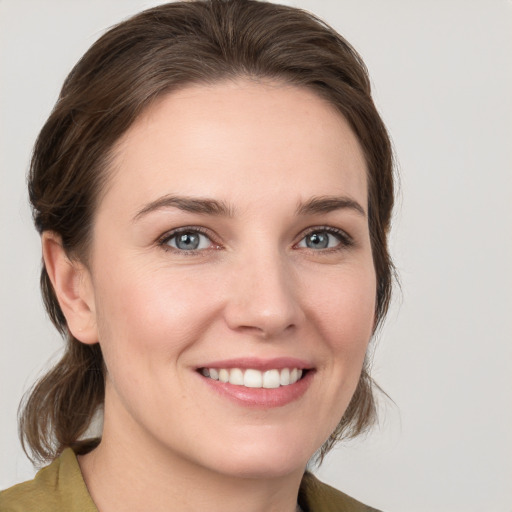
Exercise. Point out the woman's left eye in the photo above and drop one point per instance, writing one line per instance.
(322, 239)
(189, 240)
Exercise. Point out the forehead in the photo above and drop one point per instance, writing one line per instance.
(238, 140)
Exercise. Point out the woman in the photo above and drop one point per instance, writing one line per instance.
(213, 191)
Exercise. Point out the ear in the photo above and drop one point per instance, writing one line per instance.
(73, 287)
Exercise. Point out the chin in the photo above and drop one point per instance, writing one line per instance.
(260, 468)
(264, 458)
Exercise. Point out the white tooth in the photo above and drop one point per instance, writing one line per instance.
(253, 379)
(271, 379)
(214, 374)
(284, 377)
(236, 377)
(293, 376)
(223, 375)
(205, 372)
(299, 374)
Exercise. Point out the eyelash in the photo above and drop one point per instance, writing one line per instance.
(164, 240)
(344, 238)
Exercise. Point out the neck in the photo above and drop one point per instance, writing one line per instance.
(123, 475)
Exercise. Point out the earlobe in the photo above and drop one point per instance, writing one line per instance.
(73, 288)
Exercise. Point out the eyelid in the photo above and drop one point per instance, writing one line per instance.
(163, 240)
(345, 239)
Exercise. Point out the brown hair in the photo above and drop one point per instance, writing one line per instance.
(155, 52)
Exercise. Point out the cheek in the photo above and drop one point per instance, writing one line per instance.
(345, 309)
(152, 312)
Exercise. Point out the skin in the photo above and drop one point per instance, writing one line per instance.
(253, 289)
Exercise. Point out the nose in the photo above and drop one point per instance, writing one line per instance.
(263, 297)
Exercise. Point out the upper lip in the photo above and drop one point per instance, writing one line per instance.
(277, 363)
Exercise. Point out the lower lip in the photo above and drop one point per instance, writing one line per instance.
(262, 398)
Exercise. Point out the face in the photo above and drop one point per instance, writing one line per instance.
(230, 257)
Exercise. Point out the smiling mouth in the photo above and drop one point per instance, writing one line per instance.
(252, 378)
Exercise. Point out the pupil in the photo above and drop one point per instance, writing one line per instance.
(317, 241)
(188, 241)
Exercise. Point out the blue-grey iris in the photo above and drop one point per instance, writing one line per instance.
(187, 241)
(317, 240)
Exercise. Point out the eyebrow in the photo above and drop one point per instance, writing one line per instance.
(205, 206)
(326, 204)
(188, 204)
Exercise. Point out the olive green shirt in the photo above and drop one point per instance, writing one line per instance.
(60, 487)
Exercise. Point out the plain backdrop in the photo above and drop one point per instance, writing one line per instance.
(442, 79)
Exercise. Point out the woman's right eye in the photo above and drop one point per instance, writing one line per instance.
(188, 240)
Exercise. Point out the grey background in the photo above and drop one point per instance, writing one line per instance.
(442, 77)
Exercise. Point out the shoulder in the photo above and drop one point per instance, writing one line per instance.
(316, 496)
(57, 487)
